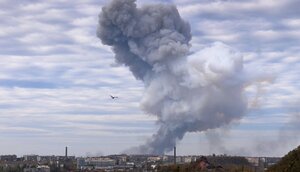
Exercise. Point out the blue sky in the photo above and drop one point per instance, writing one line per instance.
(56, 78)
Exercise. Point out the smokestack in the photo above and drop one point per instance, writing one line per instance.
(66, 152)
(174, 155)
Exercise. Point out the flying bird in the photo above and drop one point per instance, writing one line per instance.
(113, 97)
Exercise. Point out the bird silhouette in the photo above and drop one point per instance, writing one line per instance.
(113, 97)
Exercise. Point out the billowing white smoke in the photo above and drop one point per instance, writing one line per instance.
(187, 93)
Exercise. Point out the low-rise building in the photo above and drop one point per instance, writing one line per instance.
(80, 163)
(99, 162)
(41, 168)
(187, 159)
(153, 158)
(8, 158)
(34, 158)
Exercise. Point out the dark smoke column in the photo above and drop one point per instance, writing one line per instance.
(187, 93)
(142, 38)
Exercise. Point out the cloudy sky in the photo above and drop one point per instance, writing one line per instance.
(56, 78)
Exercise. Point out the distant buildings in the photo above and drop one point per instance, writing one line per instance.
(40, 168)
(36, 163)
(262, 161)
(130, 162)
(34, 158)
(8, 158)
(100, 162)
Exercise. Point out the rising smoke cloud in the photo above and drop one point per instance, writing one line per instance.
(187, 92)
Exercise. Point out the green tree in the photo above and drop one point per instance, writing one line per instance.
(289, 163)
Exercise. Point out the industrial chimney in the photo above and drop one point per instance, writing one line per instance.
(66, 152)
(174, 155)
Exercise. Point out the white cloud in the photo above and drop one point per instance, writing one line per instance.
(232, 8)
(85, 21)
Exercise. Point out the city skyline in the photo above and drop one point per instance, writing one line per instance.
(57, 79)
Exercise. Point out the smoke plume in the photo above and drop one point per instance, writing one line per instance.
(288, 135)
(187, 92)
